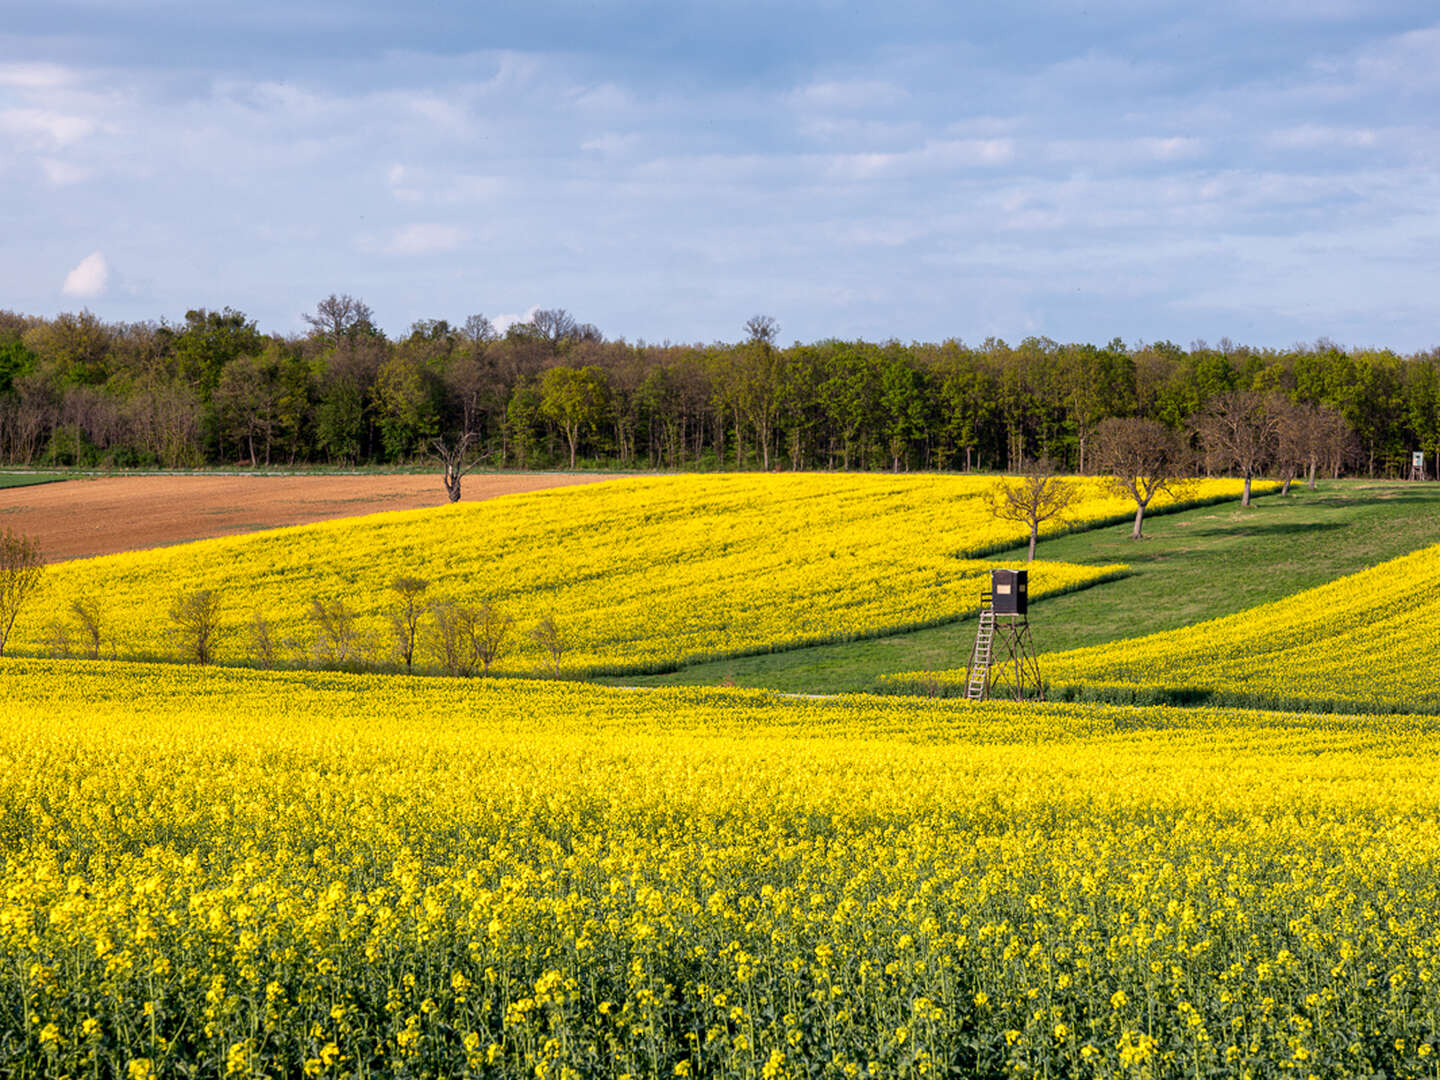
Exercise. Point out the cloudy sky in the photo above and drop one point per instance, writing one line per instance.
(1268, 173)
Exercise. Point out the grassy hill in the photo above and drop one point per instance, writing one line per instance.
(1192, 565)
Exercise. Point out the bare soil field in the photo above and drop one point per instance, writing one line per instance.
(78, 518)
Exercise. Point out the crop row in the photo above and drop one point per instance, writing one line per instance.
(282, 873)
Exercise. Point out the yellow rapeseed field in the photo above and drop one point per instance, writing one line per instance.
(642, 574)
(223, 872)
(1366, 641)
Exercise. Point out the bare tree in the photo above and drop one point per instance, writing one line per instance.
(456, 459)
(263, 647)
(1143, 457)
(762, 329)
(90, 619)
(548, 635)
(406, 619)
(556, 324)
(336, 640)
(450, 636)
(21, 568)
(1032, 498)
(1238, 432)
(336, 316)
(57, 639)
(491, 628)
(1308, 437)
(195, 624)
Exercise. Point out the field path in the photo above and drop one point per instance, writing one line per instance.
(75, 519)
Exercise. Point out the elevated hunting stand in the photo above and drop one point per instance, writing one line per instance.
(1016, 675)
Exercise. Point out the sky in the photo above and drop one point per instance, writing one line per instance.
(1267, 173)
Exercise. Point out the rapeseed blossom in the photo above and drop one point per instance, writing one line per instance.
(1367, 641)
(639, 574)
(316, 873)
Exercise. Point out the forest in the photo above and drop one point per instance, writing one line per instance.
(554, 392)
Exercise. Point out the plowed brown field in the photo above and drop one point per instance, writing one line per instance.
(78, 518)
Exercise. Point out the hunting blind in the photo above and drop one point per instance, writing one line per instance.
(1007, 668)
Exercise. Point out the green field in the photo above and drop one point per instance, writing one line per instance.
(1192, 565)
(25, 479)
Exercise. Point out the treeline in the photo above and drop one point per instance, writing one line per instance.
(75, 390)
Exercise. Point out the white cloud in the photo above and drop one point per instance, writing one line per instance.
(612, 144)
(46, 125)
(34, 76)
(855, 94)
(1324, 137)
(504, 322)
(61, 173)
(424, 240)
(89, 279)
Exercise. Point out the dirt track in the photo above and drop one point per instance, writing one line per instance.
(78, 518)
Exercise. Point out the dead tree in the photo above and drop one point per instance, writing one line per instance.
(1143, 458)
(1032, 498)
(457, 460)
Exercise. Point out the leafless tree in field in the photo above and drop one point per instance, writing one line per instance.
(21, 568)
(195, 624)
(450, 636)
(406, 619)
(491, 628)
(457, 460)
(336, 641)
(90, 620)
(549, 636)
(263, 647)
(1308, 438)
(1239, 432)
(1032, 498)
(1144, 458)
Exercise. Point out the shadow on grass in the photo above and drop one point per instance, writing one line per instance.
(1277, 529)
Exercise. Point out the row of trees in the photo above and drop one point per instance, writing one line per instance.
(457, 637)
(554, 392)
(1244, 433)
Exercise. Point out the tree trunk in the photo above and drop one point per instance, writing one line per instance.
(1139, 519)
(1245, 497)
(452, 483)
(1034, 535)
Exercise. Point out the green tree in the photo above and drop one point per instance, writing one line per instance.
(574, 399)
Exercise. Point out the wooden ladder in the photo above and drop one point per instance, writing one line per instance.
(977, 684)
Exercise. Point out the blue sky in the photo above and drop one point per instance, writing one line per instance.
(666, 170)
